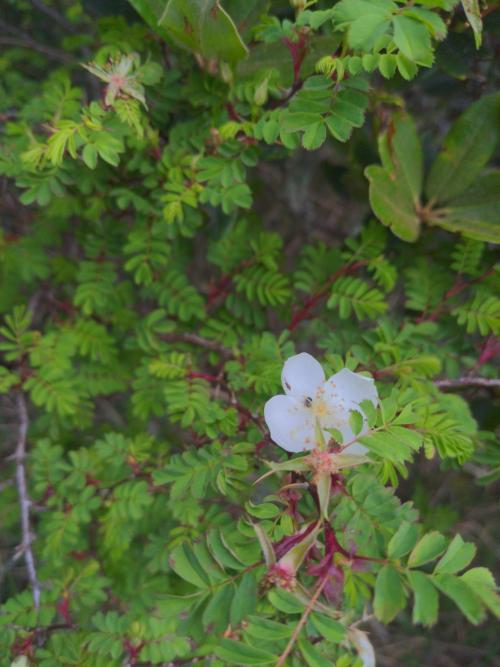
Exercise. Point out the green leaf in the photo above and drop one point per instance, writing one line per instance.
(481, 314)
(430, 19)
(406, 67)
(265, 544)
(245, 599)
(395, 443)
(367, 28)
(216, 614)
(365, 21)
(285, 601)
(348, 109)
(481, 582)
(89, 155)
(412, 39)
(314, 136)
(221, 551)
(354, 294)
(267, 629)
(476, 212)
(473, 13)
(387, 65)
(462, 595)
(151, 11)
(428, 548)
(208, 565)
(389, 594)
(263, 510)
(426, 603)
(203, 26)
(184, 563)
(330, 629)
(403, 541)
(392, 204)
(467, 148)
(312, 656)
(356, 421)
(458, 555)
(237, 653)
(300, 120)
(401, 154)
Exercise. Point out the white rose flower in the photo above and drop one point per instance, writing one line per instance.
(309, 399)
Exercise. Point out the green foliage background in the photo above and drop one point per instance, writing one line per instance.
(221, 185)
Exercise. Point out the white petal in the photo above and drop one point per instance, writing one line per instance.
(302, 375)
(343, 392)
(348, 387)
(290, 423)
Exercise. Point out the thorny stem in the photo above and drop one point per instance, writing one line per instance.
(302, 622)
(24, 500)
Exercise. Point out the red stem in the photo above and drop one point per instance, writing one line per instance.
(204, 376)
(221, 287)
(458, 286)
(297, 52)
(309, 303)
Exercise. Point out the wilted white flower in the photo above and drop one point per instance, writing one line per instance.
(364, 647)
(309, 399)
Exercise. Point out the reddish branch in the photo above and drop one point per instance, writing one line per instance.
(221, 287)
(459, 286)
(489, 350)
(297, 51)
(309, 303)
(203, 376)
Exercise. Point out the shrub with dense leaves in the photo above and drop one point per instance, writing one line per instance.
(162, 280)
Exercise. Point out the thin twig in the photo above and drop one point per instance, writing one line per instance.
(195, 339)
(301, 623)
(463, 382)
(55, 16)
(28, 43)
(24, 500)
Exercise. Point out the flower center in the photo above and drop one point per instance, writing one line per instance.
(319, 408)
